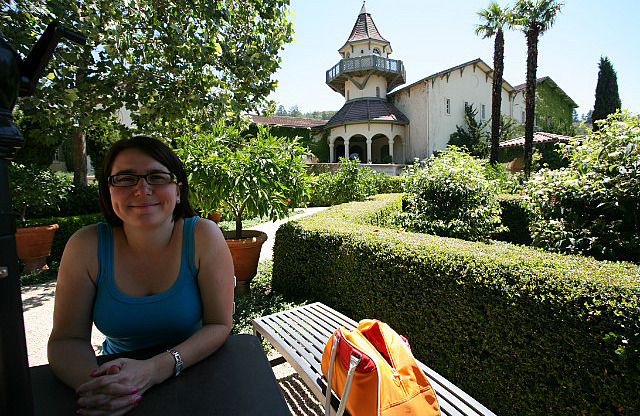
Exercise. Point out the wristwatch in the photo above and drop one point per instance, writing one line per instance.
(176, 355)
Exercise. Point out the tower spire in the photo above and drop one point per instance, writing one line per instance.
(364, 7)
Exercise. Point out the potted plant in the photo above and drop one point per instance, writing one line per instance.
(32, 186)
(249, 176)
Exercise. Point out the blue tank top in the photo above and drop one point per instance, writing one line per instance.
(130, 322)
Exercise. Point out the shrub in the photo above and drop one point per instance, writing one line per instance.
(522, 330)
(451, 197)
(31, 186)
(74, 200)
(515, 218)
(349, 183)
(593, 206)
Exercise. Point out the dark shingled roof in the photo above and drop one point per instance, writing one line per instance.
(364, 28)
(538, 138)
(368, 110)
(287, 121)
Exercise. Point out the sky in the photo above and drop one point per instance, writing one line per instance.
(432, 36)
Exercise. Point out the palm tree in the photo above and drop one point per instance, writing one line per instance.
(494, 18)
(533, 17)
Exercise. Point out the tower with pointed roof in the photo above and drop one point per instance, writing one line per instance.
(367, 124)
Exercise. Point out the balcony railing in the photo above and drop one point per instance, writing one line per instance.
(363, 63)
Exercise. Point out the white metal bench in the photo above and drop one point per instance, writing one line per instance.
(300, 335)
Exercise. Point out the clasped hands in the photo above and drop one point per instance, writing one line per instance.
(116, 388)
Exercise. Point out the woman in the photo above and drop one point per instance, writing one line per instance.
(153, 275)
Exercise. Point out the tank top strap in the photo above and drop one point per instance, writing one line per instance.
(105, 252)
(188, 245)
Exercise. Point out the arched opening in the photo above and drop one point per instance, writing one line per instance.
(358, 148)
(338, 147)
(379, 152)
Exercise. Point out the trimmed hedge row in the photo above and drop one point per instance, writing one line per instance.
(521, 330)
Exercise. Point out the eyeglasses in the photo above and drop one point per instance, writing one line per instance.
(124, 180)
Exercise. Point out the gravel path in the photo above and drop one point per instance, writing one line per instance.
(38, 301)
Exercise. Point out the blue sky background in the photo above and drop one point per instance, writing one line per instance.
(431, 36)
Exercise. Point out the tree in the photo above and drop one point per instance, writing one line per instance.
(261, 177)
(607, 97)
(295, 111)
(473, 138)
(534, 17)
(495, 18)
(177, 65)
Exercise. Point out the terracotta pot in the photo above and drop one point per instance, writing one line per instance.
(246, 255)
(34, 245)
(215, 217)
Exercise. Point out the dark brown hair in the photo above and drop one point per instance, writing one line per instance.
(158, 151)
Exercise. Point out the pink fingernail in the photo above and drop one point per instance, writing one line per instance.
(138, 399)
(94, 372)
(134, 391)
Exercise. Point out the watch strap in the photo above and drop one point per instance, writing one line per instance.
(178, 366)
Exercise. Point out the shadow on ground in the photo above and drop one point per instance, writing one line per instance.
(300, 400)
(37, 295)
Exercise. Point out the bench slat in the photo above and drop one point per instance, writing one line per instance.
(300, 335)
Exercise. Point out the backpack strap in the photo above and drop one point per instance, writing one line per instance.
(353, 363)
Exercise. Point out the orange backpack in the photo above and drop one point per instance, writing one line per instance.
(373, 371)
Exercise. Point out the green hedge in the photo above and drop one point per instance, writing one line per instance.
(521, 330)
(68, 226)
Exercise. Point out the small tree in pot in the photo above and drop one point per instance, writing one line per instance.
(260, 175)
(35, 187)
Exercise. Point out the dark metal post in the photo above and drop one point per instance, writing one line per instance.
(16, 78)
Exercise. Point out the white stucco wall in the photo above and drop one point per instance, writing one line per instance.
(364, 48)
(369, 90)
(425, 104)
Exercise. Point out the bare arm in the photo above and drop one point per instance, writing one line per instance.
(71, 356)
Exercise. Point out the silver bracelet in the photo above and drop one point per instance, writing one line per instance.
(178, 368)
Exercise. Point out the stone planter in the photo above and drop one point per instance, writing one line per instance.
(34, 245)
(246, 255)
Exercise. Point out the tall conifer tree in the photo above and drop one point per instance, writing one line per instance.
(607, 97)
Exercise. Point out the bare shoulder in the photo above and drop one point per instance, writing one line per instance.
(81, 253)
(207, 231)
(86, 238)
(209, 242)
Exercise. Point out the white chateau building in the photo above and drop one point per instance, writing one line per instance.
(386, 124)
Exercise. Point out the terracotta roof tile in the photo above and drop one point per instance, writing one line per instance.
(287, 121)
(538, 138)
(368, 110)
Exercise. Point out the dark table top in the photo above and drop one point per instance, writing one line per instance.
(235, 380)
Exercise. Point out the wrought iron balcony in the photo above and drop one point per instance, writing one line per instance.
(392, 69)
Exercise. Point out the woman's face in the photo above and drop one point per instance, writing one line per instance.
(142, 204)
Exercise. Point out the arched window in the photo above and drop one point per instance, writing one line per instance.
(376, 51)
(347, 95)
(378, 92)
